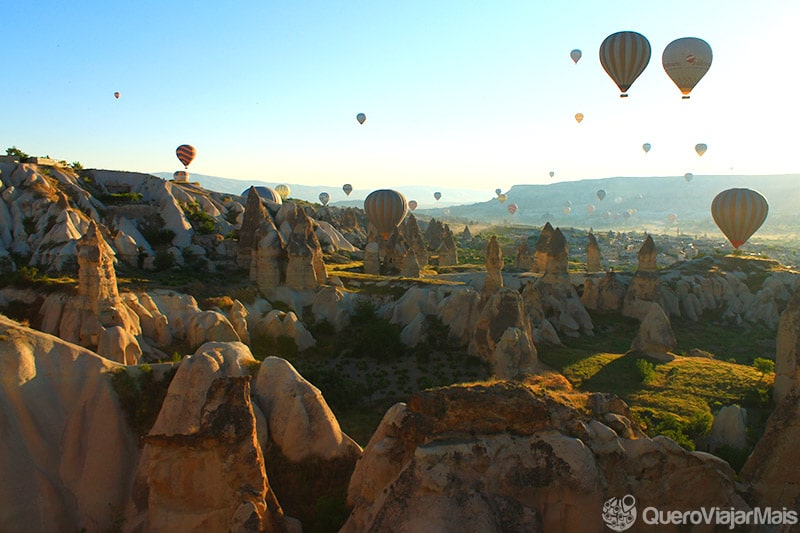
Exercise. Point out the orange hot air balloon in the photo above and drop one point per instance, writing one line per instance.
(385, 209)
(739, 213)
(437, 195)
(116, 95)
(502, 198)
(686, 61)
(347, 188)
(324, 198)
(361, 118)
(578, 117)
(624, 56)
(576, 55)
(412, 204)
(186, 153)
(512, 208)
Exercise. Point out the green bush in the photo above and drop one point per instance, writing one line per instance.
(119, 198)
(764, 365)
(141, 395)
(202, 221)
(163, 260)
(646, 370)
(158, 236)
(374, 336)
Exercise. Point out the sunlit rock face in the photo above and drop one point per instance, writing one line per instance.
(494, 267)
(593, 258)
(787, 353)
(509, 456)
(524, 258)
(255, 215)
(540, 250)
(448, 251)
(413, 235)
(655, 338)
(645, 285)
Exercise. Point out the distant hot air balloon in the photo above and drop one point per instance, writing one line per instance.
(116, 95)
(512, 208)
(601, 194)
(385, 209)
(324, 198)
(266, 193)
(361, 118)
(552, 173)
(498, 191)
(181, 176)
(567, 210)
(502, 198)
(412, 204)
(590, 209)
(437, 195)
(688, 177)
(686, 61)
(347, 188)
(579, 117)
(283, 190)
(618, 200)
(446, 211)
(646, 147)
(185, 153)
(672, 217)
(567, 204)
(576, 55)
(700, 148)
(624, 56)
(739, 213)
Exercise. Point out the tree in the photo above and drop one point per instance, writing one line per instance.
(764, 366)
(17, 152)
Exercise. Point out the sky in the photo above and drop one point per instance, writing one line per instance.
(457, 93)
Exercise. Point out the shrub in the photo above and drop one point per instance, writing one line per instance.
(205, 223)
(764, 365)
(17, 152)
(375, 336)
(119, 198)
(646, 370)
(163, 260)
(141, 396)
(158, 236)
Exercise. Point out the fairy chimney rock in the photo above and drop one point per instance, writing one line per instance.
(97, 280)
(524, 259)
(410, 265)
(494, 268)
(448, 253)
(255, 215)
(593, 255)
(557, 254)
(413, 235)
(540, 251)
(647, 255)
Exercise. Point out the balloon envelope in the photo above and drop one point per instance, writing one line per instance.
(739, 213)
(646, 147)
(180, 175)
(579, 117)
(686, 61)
(672, 217)
(567, 210)
(700, 148)
(688, 177)
(624, 56)
(283, 190)
(265, 193)
(498, 191)
(412, 204)
(186, 153)
(552, 173)
(502, 198)
(437, 195)
(576, 55)
(512, 208)
(385, 209)
(361, 118)
(590, 209)
(601, 194)
(347, 188)
(116, 95)
(324, 198)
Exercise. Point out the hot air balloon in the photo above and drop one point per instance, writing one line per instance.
(361, 118)
(446, 211)
(646, 147)
(324, 198)
(498, 191)
(502, 198)
(590, 209)
(512, 208)
(739, 213)
(283, 190)
(185, 153)
(552, 173)
(567, 204)
(385, 209)
(412, 204)
(180, 176)
(624, 56)
(686, 61)
(700, 148)
(579, 117)
(601, 194)
(347, 188)
(265, 193)
(576, 55)
(688, 177)
(116, 95)
(437, 195)
(672, 217)
(567, 210)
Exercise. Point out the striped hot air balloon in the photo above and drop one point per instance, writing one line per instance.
(283, 190)
(624, 56)
(385, 209)
(739, 213)
(186, 153)
(324, 198)
(686, 61)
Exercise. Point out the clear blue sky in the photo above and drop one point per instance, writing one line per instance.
(476, 94)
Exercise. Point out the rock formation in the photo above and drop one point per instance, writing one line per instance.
(269, 260)
(729, 428)
(593, 255)
(540, 250)
(410, 268)
(414, 238)
(305, 269)
(787, 351)
(434, 234)
(466, 235)
(494, 268)
(448, 252)
(524, 259)
(645, 285)
(255, 215)
(655, 338)
(521, 457)
(372, 259)
(606, 295)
